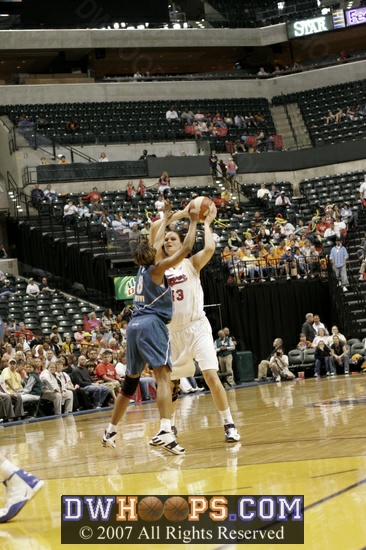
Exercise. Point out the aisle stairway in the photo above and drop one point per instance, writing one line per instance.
(281, 121)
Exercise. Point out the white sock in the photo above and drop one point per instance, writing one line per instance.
(111, 428)
(165, 425)
(226, 417)
(173, 419)
(7, 468)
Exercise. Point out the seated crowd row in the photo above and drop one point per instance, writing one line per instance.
(74, 372)
(328, 353)
(274, 248)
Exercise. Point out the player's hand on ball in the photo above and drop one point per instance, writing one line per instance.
(167, 208)
(212, 214)
(194, 214)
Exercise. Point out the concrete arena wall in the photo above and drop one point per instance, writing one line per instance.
(60, 39)
(169, 90)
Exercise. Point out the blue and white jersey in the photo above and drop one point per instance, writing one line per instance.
(150, 298)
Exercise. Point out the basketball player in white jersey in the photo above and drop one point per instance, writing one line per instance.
(189, 330)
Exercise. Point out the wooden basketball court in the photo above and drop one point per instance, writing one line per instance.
(303, 437)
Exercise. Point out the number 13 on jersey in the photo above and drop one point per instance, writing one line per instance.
(177, 295)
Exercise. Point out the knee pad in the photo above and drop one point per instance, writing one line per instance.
(129, 386)
(175, 390)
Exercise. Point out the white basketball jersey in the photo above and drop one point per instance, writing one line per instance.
(187, 295)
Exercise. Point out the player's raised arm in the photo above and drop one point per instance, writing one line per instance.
(160, 233)
(201, 258)
(178, 215)
(188, 243)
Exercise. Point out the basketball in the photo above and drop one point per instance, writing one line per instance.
(202, 205)
(176, 509)
(150, 509)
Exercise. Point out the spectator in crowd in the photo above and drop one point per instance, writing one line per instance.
(322, 357)
(362, 192)
(68, 346)
(330, 234)
(81, 377)
(328, 118)
(282, 203)
(224, 348)
(263, 196)
(50, 194)
(317, 324)
(93, 321)
(307, 328)
(187, 117)
(146, 381)
(134, 235)
(130, 191)
(348, 216)
(52, 390)
(79, 335)
(11, 404)
(279, 366)
(95, 209)
(231, 169)
(339, 354)
(3, 256)
(338, 257)
(63, 160)
(335, 332)
(72, 127)
(32, 389)
(103, 157)
(71, 213)
(304, 343)
(164, 185)
(172, 115)
(107, 374)
(93, 195)
(289, 262)
(320, 337)
(37, 195)
(32, 288)
(7, 291)
(45, 288)
(213, 160)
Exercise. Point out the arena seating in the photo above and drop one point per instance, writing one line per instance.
(127, 122)
(42, 312)
(315, 104)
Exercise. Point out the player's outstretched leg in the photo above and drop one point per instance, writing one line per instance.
(20, 487)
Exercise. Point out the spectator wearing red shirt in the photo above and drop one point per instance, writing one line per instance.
(107, 374)
(94, 195)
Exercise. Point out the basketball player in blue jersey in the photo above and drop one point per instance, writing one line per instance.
(147, 334)
(190, 332)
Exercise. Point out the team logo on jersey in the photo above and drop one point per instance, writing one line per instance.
(176, 280)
